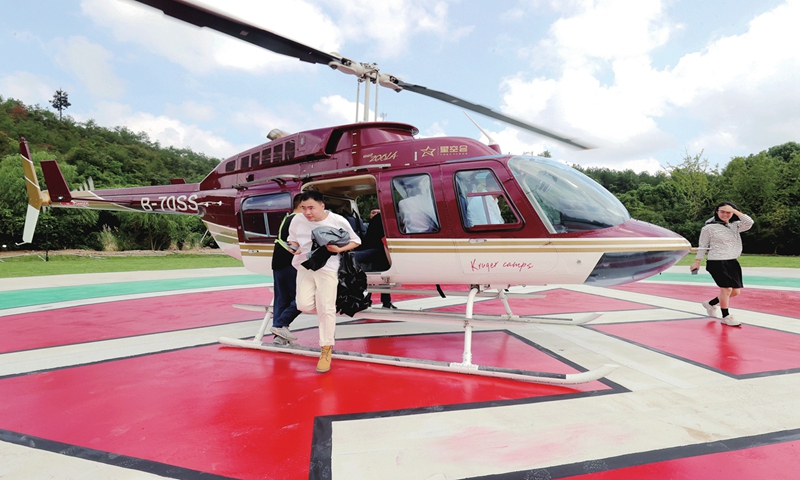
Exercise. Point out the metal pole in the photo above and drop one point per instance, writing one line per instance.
(377, 89)
(366, 100)
(358, 97)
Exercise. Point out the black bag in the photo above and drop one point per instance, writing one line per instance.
(351, 295)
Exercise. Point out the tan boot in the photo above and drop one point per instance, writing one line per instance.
(324, 363)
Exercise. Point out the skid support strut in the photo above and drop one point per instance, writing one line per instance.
(465, 367)
(466, 357)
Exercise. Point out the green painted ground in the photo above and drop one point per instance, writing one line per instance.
(25, 298)
(704, 278)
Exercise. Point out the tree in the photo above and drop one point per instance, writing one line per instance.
(692, 177)
(60, 101)
(753, 184)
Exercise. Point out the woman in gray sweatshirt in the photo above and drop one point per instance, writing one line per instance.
(720, 238)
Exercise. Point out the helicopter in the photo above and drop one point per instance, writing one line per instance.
(492, 221)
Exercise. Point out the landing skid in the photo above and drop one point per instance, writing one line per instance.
(466, 366)
(482, 370)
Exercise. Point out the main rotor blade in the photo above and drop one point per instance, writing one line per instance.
(460, 102)
(202, 17)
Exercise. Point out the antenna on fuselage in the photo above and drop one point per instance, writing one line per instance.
(492, 143)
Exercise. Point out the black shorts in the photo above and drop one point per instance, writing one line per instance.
(726, 273)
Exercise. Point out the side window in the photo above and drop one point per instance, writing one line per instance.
(481, 201)
(245, 162)
(230, 166)
(415, 204)
(266, 156)
(254, 159)
(290, 150)
(262, 215)
(277, 153)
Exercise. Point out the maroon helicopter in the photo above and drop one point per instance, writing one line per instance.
(455, 211)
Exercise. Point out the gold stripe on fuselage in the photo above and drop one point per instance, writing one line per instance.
(461, 246)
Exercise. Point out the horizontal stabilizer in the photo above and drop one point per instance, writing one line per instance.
(56, 185)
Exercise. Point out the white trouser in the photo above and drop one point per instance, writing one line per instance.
(316, 292)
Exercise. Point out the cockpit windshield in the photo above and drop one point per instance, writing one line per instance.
(565, 199)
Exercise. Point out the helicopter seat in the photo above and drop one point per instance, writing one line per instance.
(374, 259)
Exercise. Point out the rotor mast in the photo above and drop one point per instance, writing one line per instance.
(367, 73)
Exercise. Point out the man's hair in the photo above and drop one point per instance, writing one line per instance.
(312, 195)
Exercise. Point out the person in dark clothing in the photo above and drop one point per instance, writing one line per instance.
(284, 276)
(371, 254)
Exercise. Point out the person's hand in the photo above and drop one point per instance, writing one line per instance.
(694, 266)
(728, 209)
(294, 247)
(334, 248)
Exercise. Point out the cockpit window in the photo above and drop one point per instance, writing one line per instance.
(565, 199)
(481, 201)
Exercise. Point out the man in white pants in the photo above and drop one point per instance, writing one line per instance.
(316, 289)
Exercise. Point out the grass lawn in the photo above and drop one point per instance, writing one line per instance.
(32, 265)
(755, 261)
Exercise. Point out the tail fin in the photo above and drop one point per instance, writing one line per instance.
(36, 199)
(57, 189)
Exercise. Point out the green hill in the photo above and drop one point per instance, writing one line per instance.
(114, 157)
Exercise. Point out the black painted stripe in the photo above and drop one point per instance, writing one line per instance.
(108, 458)
(652, 456)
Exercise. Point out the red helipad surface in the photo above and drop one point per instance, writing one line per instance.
(685, 402)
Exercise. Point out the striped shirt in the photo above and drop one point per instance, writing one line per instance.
(722, 241)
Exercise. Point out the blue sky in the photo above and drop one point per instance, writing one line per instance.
(644, 81)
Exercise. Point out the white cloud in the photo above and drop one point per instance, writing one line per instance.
(202, 51)
(28, 88)
(336, 110)
(612, 35)
(170, 132)
(195, 111)
(745, 87)
(165, 130)
(383, 26)
(739, 91)
(436, 129)
(389, 25)
(90, 63)
(251, 116)
(609, 30)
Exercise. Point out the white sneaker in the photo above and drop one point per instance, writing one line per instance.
(711, 310)
(280, 341)
(282, 332)
(730, 321)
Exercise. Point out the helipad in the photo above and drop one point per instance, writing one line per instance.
(121, 376)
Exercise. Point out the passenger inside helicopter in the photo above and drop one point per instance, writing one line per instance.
(416, 212)
(478, 198)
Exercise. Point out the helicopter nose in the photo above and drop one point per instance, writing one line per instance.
(623, 267)
(648, 250)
